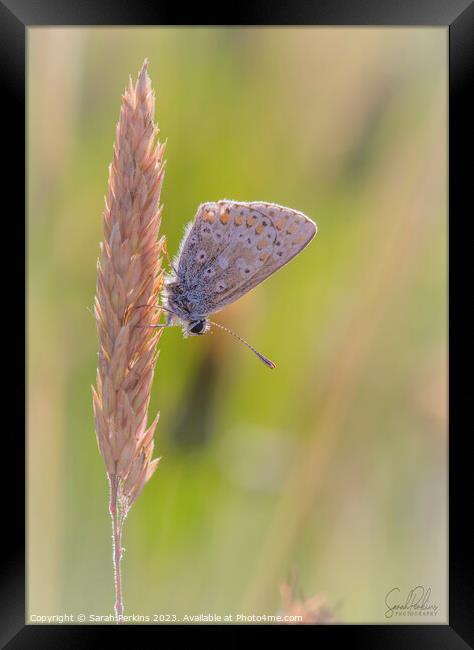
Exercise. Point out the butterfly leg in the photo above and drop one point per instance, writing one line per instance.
(153, 326)
(165, 251)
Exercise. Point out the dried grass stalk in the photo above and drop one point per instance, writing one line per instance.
(311, 610)
(129, 275)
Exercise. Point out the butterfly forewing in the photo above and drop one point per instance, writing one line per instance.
(204, 239)
(231, 247)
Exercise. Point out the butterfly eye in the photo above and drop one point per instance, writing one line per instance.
(198, 327)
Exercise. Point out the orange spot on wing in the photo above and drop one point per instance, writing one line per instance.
(259, 229)
(250, 221)
(238, 221)
(279, 224)
(224, 217)
(262, 243)
(208, 216)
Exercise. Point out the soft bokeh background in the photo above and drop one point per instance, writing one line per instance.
(335, 463)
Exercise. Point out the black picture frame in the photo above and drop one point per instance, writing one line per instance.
(458, 17)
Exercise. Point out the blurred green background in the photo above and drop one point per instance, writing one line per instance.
(333, 464)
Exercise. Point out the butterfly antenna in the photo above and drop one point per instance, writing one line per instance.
(266, 361)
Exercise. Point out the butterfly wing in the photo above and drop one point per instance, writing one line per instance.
(204, 239)
(231, 247)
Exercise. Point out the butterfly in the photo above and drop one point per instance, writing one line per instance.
(228, 249)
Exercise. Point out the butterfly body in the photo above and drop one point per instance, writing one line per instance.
(227, 250)
(185, 305)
